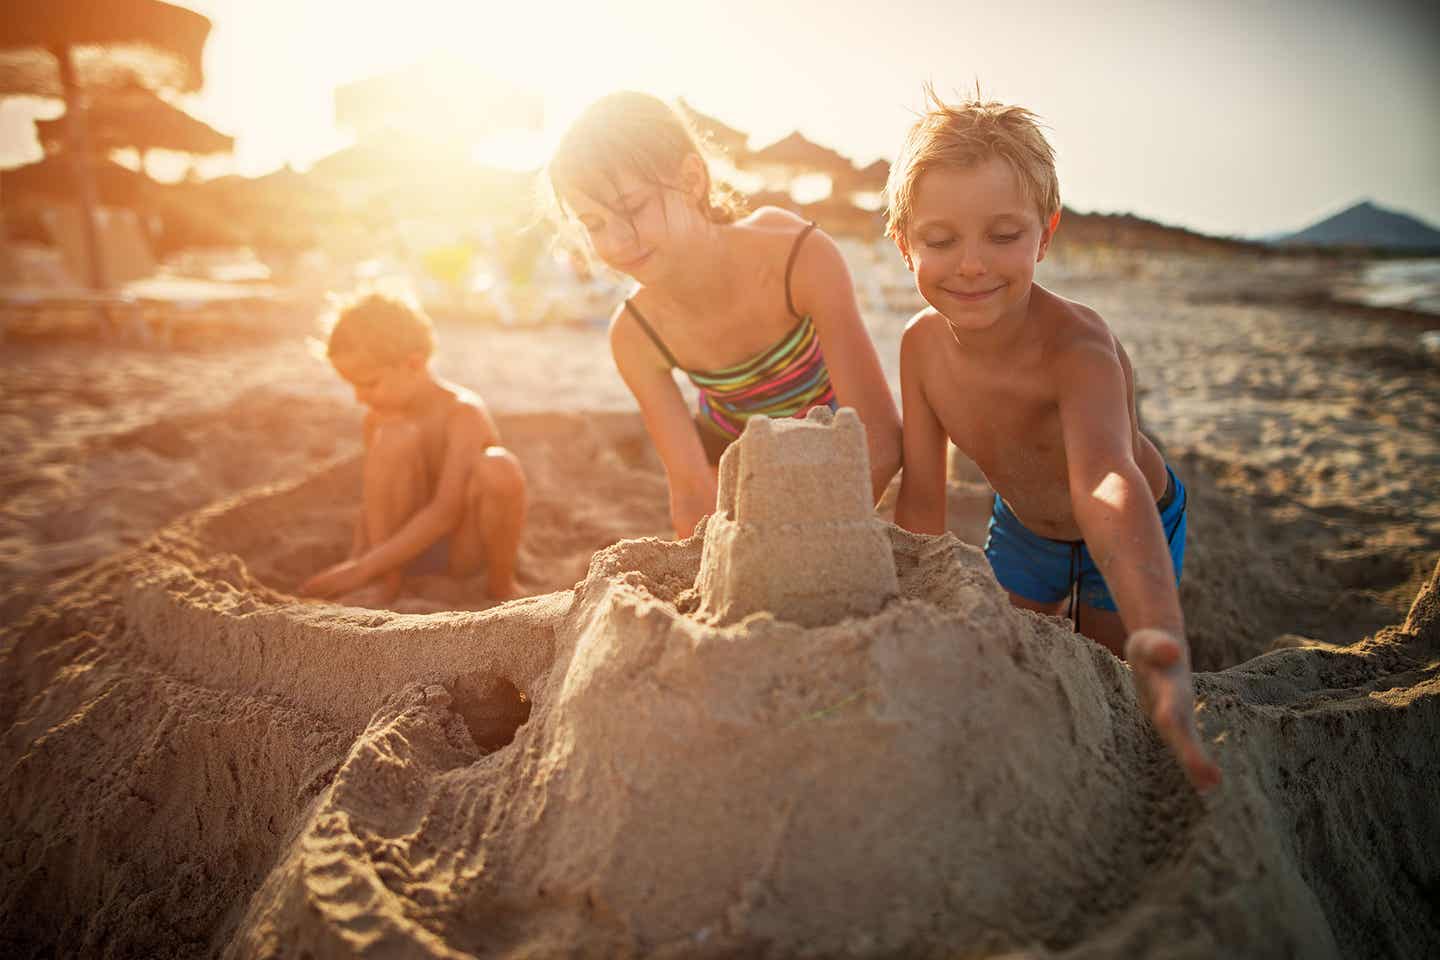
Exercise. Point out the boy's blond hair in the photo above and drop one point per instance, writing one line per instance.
(966, 134)
(383, 327)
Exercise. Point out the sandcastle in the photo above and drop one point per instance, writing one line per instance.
(835, 751)
(794, 532)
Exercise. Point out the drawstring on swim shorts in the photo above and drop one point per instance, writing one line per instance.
(1075, 583)
(1166, 499)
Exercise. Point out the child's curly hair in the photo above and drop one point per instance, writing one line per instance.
(966, 134)
(385, 327)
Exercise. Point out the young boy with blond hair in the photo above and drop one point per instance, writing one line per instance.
(439, 491)
(1036, 390)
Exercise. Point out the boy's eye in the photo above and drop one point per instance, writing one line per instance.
(939, 243)
(1005, 237)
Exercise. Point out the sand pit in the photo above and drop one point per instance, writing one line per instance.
(198, 764)
(943, 775)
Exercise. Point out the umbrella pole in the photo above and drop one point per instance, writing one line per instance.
(78, 138)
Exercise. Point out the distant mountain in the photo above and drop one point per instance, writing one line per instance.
(1366, 225)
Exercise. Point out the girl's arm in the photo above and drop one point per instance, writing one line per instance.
(922, 502)
(667, 420)
(821, 287)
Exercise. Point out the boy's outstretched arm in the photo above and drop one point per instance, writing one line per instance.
(921, 505)
(1115, 511)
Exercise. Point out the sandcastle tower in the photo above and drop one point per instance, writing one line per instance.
(794, 531)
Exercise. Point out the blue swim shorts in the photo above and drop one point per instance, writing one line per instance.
(1045, 570)
(435, 561)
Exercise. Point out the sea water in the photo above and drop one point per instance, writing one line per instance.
(1412, 284)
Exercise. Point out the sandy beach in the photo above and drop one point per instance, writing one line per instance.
(197, 763)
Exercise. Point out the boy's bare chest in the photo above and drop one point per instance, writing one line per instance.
(1009, 424)
(433, 434)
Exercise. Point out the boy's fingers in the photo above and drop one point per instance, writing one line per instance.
(1183, 739)
(1153, 648)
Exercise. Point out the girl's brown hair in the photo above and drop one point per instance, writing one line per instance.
(638, 133)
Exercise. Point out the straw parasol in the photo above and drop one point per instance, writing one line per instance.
(871, 178)
(53, 178)
(133, 116)
(478, 104)
(47, 46)
(797, 154)
(733, 142)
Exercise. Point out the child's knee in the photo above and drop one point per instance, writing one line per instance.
(497, 474)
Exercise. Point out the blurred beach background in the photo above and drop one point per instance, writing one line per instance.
(1252, 197)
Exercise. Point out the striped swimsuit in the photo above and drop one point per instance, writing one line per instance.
(784, 381)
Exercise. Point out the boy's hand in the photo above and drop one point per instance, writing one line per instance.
(1162, 680)
(336, 580)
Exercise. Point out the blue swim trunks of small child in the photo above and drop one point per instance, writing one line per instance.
(1046, 570)
(435, 561)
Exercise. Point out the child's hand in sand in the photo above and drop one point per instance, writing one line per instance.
(334, 581)
(1163, 683)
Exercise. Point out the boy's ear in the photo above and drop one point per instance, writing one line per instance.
(415, 361)
(1048, 235)
(904, 249)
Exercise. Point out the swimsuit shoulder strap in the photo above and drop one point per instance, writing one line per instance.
(790, 268)
(650, 332)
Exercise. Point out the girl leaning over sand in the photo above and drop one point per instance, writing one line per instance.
(757, 310)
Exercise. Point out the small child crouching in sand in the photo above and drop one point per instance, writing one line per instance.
(440, 494)
(1039, 393)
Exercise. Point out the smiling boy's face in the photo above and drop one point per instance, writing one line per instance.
(973, 242)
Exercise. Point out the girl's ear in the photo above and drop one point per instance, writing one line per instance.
(415, 361)
(694, 178)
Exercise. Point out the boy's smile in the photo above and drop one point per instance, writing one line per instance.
(974, 242)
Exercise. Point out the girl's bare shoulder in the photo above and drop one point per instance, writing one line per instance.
(772, 219)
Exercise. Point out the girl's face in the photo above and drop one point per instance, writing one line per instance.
(638, 224)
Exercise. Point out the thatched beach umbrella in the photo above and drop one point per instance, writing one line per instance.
(46, 45)
(478, 104)
(869, 178)
(795, 154)
(53, 178)
(134, 117)
(734, 142)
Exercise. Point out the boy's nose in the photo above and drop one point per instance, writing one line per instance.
(970, 261)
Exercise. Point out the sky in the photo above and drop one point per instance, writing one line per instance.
(1236, 118)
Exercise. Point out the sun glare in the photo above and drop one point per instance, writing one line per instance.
(287, 112)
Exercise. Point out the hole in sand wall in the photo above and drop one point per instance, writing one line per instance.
(492, 707)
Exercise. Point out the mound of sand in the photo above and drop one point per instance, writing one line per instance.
(930, 773)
